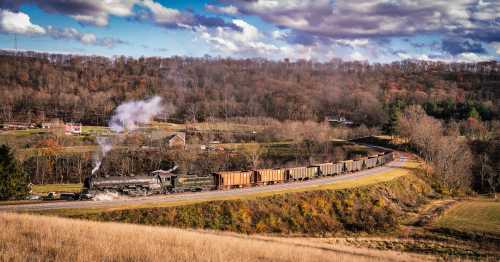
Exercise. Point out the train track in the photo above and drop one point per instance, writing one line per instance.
(200, 196)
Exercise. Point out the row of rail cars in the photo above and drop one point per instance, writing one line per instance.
(165, 182)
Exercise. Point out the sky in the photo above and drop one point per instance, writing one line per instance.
(319, 30)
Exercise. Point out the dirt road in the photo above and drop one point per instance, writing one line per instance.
(127, 201)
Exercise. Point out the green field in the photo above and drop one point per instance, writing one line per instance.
(477, 216)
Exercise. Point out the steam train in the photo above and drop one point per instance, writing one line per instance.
(165, 182)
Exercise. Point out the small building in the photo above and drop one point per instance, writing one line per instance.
(338, 121)
(176, 140)
(55, 123)
(72, 129)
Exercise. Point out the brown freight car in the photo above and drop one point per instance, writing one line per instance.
(348, 165)
(380, 159)
(330, 169)
(371, 162)
(388, 157)
(234, 179)
(357, 165)
(270, 176)
(302, 173)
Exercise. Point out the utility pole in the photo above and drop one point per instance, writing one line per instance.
(15, 41)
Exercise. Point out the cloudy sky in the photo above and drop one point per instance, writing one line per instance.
(377, 31)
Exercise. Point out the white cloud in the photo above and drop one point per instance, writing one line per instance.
(250, 42)
(71, 33)
(229, 10)
(344, 19)
(357, 56)
(279, 34)
(88, 38)
(163, 15)
(84, 38)
(95, 12)
(404, 56)
(18, 23)
(496, 46)
(244, 42)
(472, 58)
(353, 42)
(97, 20)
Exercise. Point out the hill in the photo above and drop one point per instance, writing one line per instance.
(38, 86)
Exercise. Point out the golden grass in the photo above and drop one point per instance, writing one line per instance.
(38, 238)
(406, 169)
(478, 215)
(44, 189)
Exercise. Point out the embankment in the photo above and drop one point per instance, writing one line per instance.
(374, 208)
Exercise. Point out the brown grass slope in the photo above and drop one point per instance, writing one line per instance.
(39, 238)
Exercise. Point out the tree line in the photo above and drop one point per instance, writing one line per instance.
(35, 87)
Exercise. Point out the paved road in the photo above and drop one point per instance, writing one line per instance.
(200, 195)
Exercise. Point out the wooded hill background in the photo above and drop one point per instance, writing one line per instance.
(38, 86)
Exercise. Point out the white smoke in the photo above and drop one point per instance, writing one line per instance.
(105, 145)
(108, 196)
(128, 116)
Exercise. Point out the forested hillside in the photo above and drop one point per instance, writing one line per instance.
(38, 86)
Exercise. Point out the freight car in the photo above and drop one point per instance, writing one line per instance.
(234, 179)
(331, 169)
(270, 176)
(348, 166)
(357, 165)
(371, 161)
(163, 182)
(301, 173)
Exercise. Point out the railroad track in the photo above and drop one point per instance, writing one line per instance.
(200, 196)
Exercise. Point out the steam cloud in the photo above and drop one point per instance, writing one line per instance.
(128, 116)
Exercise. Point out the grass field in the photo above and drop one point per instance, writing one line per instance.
(39, 238)
(44, 189)
(477, 216)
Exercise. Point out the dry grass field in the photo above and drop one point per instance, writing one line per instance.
(39, 238)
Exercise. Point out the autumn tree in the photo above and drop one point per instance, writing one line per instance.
(448, 155)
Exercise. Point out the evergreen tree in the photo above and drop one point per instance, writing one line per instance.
(474, 113)
(14, 183)
(391, 127)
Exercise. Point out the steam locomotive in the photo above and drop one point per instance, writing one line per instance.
(165, 182)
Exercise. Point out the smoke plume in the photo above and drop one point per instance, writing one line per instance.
(127, 117)
(105, 146)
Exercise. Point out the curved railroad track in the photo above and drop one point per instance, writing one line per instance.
(200, 196)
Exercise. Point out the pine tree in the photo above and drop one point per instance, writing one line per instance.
(391, 127)
(14, 183)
